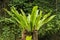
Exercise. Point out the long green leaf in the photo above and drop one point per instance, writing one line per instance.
(45, 21)
(10, 13)
(49, 19)
(33, 16)
(38, 18)
(15, 12)
(46, 15)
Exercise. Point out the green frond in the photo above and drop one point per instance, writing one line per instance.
(39, 24)
(46, 16)
(49, 19)
(15, 12)
(39, 17)
(10, 13)
(33, 16)
(24, 17)
(28, 18)
(19, 17)
(23, 21)
(23, 13)
(17, 20)
(33, 20)
(45, 21)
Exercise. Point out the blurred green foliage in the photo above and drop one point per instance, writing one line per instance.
(26, 5)
(10, 30)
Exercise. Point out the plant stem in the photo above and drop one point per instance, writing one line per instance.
(23, 35)
(35, 35)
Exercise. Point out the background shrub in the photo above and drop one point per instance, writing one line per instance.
(10, 30)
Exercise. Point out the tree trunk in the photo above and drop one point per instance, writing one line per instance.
(24, 35)
(35, 35)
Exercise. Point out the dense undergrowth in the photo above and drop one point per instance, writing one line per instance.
(9, 30)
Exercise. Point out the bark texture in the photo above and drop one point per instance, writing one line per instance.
(35, 35)
(24, 35)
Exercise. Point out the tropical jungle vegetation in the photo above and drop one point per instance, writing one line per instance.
(17, 17)
(31, 23)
